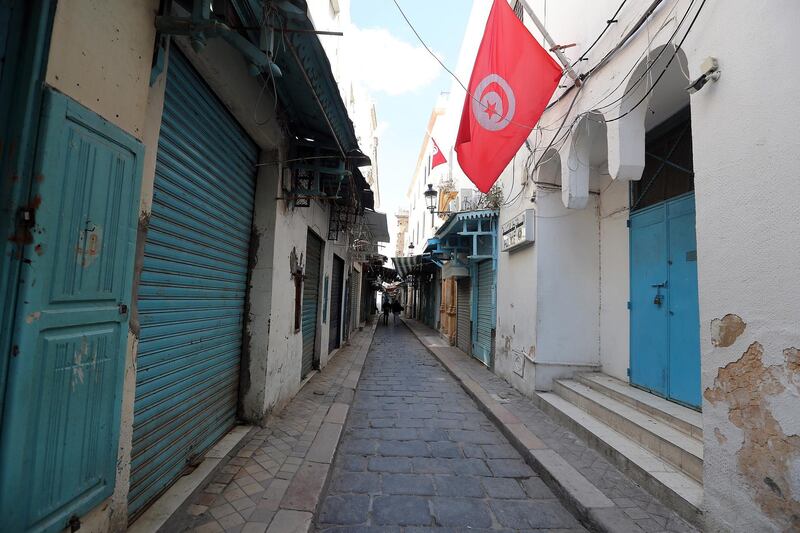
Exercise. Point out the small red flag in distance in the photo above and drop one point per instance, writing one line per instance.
(438, 156)
(511, 83)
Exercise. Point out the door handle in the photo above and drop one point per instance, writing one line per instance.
(659, 285)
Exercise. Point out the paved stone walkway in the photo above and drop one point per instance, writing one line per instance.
(275, 480)
(646, 511)
(418, 454)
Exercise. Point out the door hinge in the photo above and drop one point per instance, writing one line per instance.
(628, 304)
(74, 523)
(628, 371)
(123, 309)
(628, 223)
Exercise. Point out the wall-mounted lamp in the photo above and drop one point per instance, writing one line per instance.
(710, 68)
(430, 198)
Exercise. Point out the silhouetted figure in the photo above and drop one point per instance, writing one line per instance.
(396, 309)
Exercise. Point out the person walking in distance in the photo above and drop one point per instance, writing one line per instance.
(385, 308)
(396, 309)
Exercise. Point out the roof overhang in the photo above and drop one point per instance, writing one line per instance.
(376, 222)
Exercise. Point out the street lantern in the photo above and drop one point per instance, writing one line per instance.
(430, 198)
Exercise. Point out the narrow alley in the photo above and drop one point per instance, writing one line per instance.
(417, 451)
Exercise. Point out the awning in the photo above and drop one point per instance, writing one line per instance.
(452, 224)
(377, 225)
(454, 269)
(411, 264)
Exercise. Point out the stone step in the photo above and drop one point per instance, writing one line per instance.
(687, 420)
(670, 485)
(664, 441)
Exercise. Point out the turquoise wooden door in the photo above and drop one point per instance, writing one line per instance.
(665, 331)
(62, 412)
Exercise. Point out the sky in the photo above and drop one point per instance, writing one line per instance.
(404, 80)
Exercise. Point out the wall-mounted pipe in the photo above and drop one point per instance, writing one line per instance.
(199, 27)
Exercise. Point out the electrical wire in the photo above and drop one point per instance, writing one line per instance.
(609, 22)
(454, 76)
(664, 71)
(645, 73)
(636, 63)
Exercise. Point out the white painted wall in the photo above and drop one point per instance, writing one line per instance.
(746, 142)
(614, 279)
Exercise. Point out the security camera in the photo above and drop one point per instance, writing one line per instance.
(711, 72)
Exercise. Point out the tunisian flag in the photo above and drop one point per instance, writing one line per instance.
(438, 156)
(511, 83)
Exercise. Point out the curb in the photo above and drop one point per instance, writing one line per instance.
(593, 508)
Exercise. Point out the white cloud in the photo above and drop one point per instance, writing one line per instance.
(383, 63)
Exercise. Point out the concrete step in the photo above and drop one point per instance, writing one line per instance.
(670, 485)
(687, 420)
(682, 451)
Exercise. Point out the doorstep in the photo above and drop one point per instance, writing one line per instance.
(274, 478)
(592, 488)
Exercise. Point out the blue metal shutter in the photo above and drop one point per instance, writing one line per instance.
(484, 322)
(334, 338)
(463, 306)
(311, 300)
(193, 285)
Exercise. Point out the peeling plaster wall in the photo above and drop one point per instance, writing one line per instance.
(100, 55)
(746, 139)
(284, 352)
(254, 381)
(515, 344)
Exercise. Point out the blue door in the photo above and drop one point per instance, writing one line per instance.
(62, 413)
(665, 338)
(684, 313)
(649, 322)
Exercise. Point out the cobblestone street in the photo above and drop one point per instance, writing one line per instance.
(417, 453)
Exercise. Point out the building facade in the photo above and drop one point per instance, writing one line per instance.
(180, 259)
(641, 271)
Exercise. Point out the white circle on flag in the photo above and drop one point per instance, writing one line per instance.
(487, 105)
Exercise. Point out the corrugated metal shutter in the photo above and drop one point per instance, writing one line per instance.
(464, 304)
(355, 281)
(484, 322)
(334, 339)
(311, 300)
(193, 285)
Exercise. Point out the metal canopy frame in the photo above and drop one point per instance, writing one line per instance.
(462, 234)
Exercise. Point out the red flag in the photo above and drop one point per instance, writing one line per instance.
(511, 83)
(438, 156)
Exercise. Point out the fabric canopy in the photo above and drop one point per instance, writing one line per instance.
(411, 264)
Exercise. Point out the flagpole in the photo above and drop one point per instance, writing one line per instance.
(553, 47)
